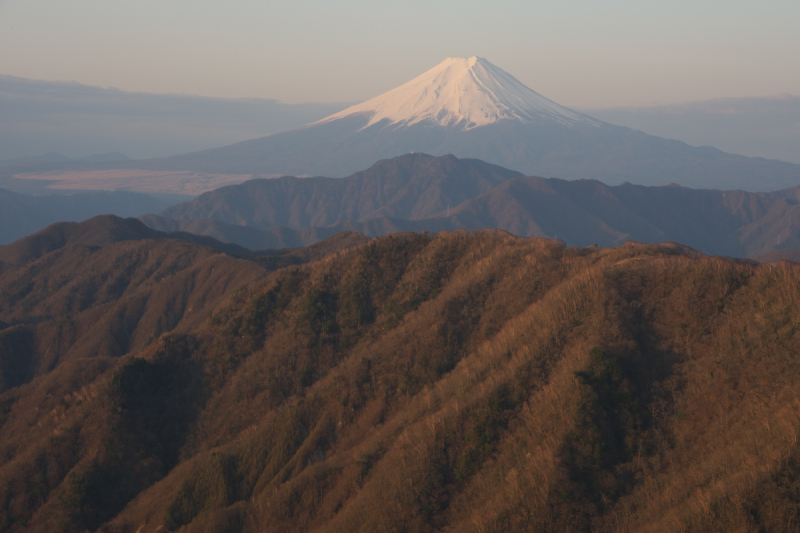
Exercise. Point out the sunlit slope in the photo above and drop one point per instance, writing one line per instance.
(469, 382)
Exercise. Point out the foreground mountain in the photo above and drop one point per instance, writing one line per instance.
(111, 285)
(417, 192)
(471, 108)
(465, 382)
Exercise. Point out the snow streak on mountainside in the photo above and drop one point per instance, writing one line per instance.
(465, 93)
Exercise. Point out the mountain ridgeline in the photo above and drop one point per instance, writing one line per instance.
(418, 192)
(467, 381)
(25, 214)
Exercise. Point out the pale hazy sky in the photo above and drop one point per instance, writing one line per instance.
(579, 53)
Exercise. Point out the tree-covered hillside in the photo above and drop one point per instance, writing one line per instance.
(456, 382)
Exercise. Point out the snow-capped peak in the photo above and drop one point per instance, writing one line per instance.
(465, 93)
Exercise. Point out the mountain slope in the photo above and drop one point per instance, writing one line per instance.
(417, 192)
(414, 186)
(467, 382)
(734, 223)
(464, 93)
(81, 301)
(109, 286)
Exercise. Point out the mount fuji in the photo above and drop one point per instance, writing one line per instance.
(462, 94)
(471, 108)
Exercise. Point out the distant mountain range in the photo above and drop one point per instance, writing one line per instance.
(471, 108)
(77, 119)
(764, 126)
(418, 192)
(466, 107)
(24, 214)
(74, 119)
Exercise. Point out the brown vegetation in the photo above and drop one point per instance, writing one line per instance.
(458, 382)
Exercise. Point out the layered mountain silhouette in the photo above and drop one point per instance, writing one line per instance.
(418, 192)
(471, 108)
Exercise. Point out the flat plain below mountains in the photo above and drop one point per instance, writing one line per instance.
(418, 192)
(468, 381)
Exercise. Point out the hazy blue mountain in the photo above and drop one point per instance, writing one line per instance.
(418, 192)
(760, 127)
(77, 120)
(414, 186)
(24, 214)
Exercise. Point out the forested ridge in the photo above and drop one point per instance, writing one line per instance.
(462, 381)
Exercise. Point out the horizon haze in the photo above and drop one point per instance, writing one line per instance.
(581, 54)
(78, 121)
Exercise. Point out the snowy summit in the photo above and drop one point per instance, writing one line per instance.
(464, 93)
